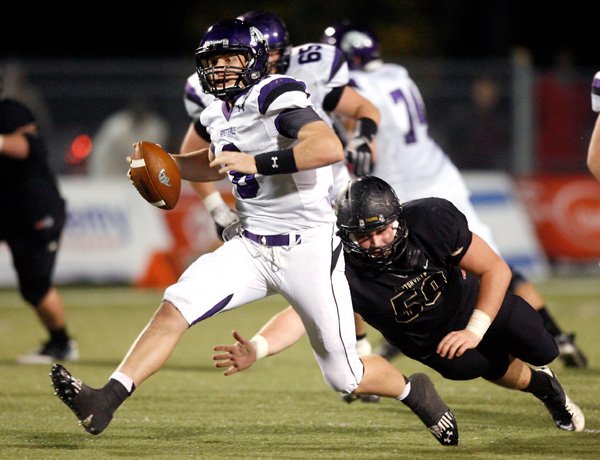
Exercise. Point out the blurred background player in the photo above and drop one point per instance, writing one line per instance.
(323, 69)
(33, 219)
(593, 158)
(138, 120)
(413, 163)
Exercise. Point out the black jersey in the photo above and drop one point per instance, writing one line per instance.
(28, 187)
(424, 294)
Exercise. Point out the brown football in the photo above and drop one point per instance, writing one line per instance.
(155, 175)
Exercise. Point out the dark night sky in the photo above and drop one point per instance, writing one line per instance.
(423, 28)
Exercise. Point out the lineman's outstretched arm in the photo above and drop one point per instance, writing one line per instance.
(280, 332)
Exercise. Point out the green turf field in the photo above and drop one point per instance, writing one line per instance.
(281, 408)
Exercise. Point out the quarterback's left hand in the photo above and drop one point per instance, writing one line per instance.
(456, 343)
(237, 357)
(360, 156)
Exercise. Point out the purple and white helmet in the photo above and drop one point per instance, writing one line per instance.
(359, 44)
(276, 33)
(231, 36)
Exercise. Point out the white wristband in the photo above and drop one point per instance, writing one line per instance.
(479, 323)
(213, 201)
(261, 346)
(1, 142)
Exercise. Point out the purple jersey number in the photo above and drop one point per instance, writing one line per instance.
(414, 108)
(246, 185)
(311, 53)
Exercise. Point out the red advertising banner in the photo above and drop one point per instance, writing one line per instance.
(566, 212)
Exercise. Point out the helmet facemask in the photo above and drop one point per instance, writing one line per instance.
(381, 256)
(247, 51)
(225, 81)
(368, 204)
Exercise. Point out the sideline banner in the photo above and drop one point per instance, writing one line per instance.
(494, 197)
(566, 213)
(111, 234)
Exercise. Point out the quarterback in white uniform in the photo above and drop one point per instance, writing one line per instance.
(277, 152)
(324, 70)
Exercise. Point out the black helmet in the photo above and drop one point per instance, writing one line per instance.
(367, 204)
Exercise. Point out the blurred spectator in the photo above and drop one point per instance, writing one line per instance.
(114, 140)
(33, 216)
(480, 135)
(18, 86)
(563, 118)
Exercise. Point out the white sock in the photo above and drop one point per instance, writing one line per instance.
(123, 380)
(405, 392)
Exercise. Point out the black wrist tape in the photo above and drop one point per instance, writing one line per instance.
(367, 128)
(276, 162)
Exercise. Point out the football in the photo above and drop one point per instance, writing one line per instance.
(155, 175)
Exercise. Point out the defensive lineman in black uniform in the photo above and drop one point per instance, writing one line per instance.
(438, 292)
(33, 218)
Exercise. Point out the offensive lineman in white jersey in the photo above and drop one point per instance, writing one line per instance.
(412, 162)
(277, 153)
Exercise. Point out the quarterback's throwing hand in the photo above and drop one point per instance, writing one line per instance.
(234, 161)
(237, 357)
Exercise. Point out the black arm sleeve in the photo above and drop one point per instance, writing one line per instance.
(290, 122)
(201, 130)
(332, 99)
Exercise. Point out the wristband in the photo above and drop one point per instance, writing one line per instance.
(276, 162)
(1, 141)
(366, 128)
(261, 346)
(213, 201)
(596, 93)
(479, 323)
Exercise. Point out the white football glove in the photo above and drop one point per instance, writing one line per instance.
(596, 93)
(358, 150)
(358, 154)
(222, 214)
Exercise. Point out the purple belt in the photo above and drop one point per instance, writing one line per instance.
(273, 240)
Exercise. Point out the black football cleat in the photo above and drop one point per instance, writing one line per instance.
(569, 353)
(565, 414)
(86, 403)
(51, 352)
(427, 404)
(388, 351)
